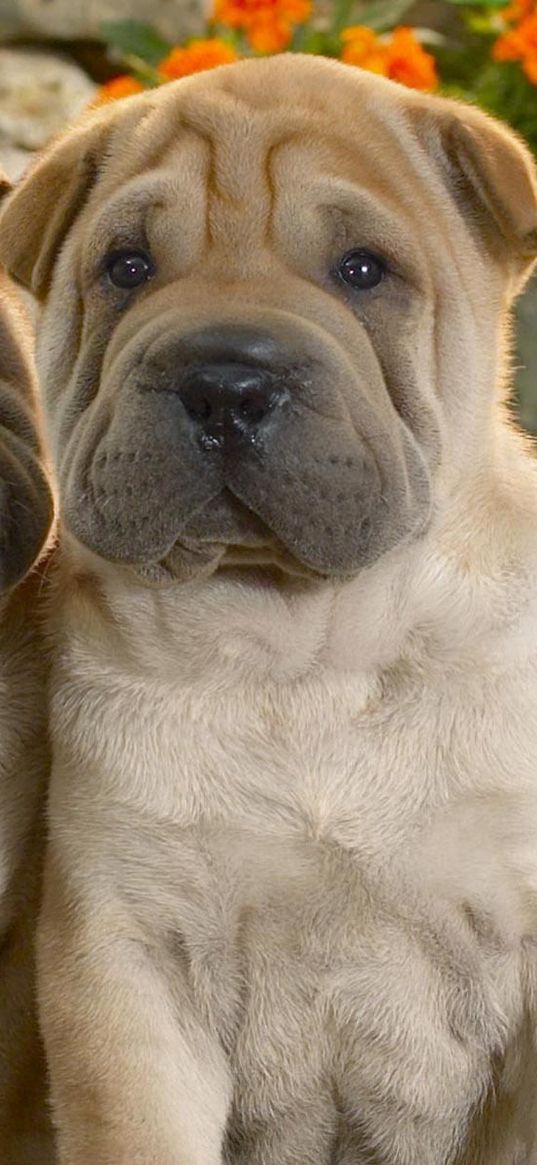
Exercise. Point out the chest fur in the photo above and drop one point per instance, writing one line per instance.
(296, 856)
(429, 780)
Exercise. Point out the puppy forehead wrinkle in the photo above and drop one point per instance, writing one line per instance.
(242, 123)
(136, 203)
(242, 116)
(121, 157)
(240, 144)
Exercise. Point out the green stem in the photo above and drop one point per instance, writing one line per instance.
(342, 14)
(145, 72)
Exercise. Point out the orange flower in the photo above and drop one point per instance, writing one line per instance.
(268, 24)
(517, 10)
(509, 47)
(363, 48)
(399, 56)
(196, 56)
(520, 44)
(409, 63)
(123, 86)
(269, 35)
(244, 13)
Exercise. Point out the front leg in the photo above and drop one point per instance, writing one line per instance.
(136, 1078)
(439, 1064)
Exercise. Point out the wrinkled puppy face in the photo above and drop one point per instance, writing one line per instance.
(243, 351)
(25, 496)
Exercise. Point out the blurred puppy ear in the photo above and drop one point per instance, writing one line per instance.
(38, 213)
(26, 502)
(5, 185)
(492, 176)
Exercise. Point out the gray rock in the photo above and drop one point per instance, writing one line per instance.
(81, 19)
(14, 162)
(40, 94)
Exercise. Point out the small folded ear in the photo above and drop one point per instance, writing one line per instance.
(38, 213)
(493, 177)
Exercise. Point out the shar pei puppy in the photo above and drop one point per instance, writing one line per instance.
(290, 907)
(25, 519)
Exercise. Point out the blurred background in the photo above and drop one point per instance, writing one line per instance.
(59, 56)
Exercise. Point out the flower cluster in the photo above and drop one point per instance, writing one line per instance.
(179, 62)
(267, 24)
(519, 42)
(476, 58)
(195, 57)
(122, 86)
(399, 56)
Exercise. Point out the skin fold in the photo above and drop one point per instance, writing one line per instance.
(290, 911)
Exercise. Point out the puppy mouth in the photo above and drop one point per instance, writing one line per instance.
(237, 538)
(186, 564)
(273, 558)
(211, 557)
(226, 536)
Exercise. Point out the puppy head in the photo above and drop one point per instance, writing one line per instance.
(272, 303)
(25, 496)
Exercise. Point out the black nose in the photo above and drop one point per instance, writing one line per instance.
(229, 400)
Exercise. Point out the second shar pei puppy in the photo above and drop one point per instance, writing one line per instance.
(25, 518)
(291, 900)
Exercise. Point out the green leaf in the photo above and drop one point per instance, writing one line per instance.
(313, 40)
(131, 38)
(477, 4)
(341, 14)
(230, 36)
(144, 73)
(384, 14)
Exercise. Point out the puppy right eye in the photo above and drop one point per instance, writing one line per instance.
(362, 270)
(129, 269)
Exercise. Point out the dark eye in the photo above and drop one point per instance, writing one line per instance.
(129, 269)
(361, 270)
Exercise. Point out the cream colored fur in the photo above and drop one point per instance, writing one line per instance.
(291, 888)
(346, 847)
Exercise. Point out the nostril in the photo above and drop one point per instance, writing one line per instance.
(228, 398)
(198, 408)
(253, 409)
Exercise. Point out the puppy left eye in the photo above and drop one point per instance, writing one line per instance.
(361, 270)
(128, 269)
